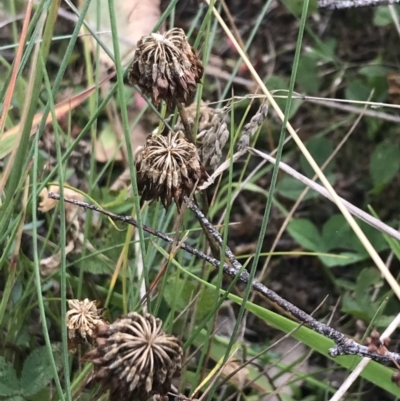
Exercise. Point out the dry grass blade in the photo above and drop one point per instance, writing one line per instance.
(17, 61)
(372, 221)
(8, 140)
(338, 201)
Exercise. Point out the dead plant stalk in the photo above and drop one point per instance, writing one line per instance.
(344, 345)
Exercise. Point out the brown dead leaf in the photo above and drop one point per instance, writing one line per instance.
(107, 147)
(135, 19)
(50, 264)
(240, 378)
(47, 203)
(9, 139)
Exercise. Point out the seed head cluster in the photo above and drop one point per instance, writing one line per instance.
(82, 318)
(166, 67)
(134, 358)
(168, 168)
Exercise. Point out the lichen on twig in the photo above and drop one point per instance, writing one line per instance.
(343, 345)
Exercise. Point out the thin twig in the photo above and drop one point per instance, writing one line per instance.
(355, 211)
(344, 345)
(343, 4)
(363, 363)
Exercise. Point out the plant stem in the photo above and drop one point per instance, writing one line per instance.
(344, 345)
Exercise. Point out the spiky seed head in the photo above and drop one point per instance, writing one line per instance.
(82, 318)
(134, 358)
(166, 67)
(168, 168)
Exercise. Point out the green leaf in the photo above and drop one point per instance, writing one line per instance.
(352, 307)
(15, 398)
(343, 259)
(382, 16)
(325, 51)
(307, 74)
(36, 372)
(365, 280)
(306, 234)
(385, 163)
(374, 71)
(278, 86)
(291, 188)
(357, 90)
(296, 6)
(320, 149)
(179, 293)
(9, 383)
(376, 373)
(337, 233)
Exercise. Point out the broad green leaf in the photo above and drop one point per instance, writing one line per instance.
(320, 149)
(337, 233)
(383, 16)
(291, 188)
(186, 292)
(352, 307)
(343, 259)
(16, 398)
(307, 74)
(279, 87)
(296, 6)
(385, 163)
(9, 383)
(365, 280)
(357, 90)
(306, 234)
(374, 71)
(325, 51)
(375, 237)
(36, 372)
(374, 372)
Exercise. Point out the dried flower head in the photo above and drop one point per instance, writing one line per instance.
(212, 134)
(205, 118)
(134, 358)
(166, 67)
(82, 319)
(168, 168)
(251, 128)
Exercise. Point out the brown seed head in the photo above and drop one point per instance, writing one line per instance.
(168, 168)
(166, 67)
(375, 345)
(134, 358)
(212, 133)
(82, 319)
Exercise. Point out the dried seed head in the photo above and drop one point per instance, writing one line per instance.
(82, 319)
(375, 344)
(134, 358)
(168, 168)
(250, 129)
(212, 134)
(166, 67)
(213, 141)
(206, 118)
